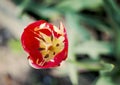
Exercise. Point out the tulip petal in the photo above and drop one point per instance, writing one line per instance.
(46, 44)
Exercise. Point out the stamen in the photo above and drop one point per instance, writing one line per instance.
(39, 38)
(42, 37)
(50, 48)
(57, 45)
(35, 33)
(46, 56)
(41, 49)
(50, 45)
(53, 53)
(51, 37)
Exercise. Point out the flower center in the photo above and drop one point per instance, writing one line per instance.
(49, 47)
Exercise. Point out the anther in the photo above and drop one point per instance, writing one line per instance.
(41, 49)
(53, 53)
(46, 56)
(57, 44)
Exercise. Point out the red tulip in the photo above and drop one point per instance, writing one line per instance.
(46, 44)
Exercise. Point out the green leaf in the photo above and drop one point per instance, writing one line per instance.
(90, 65)
(105, 78)
(77, 5)
(44, 11)
(24, 5)
(107, 67)
(72, 72)
(105, 81)
(112, 10)
(41, 10)
(70, 5)
(94, 48)
(74, 23)
(97, 23)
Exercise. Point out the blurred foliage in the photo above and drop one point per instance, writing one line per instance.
(96, 24)
(15, 45)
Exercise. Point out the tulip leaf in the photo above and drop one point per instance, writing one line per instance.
(90, 65)
(72, 72)
(97, 23)
(49, 12)
(42, 11)
(112, 10)
(73, 22)
(67, 5)
(94, 48)
(105, 78)
(105, 81)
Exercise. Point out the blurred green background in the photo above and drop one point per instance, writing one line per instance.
(93, 28)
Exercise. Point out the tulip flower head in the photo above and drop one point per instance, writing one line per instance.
(46, 44)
